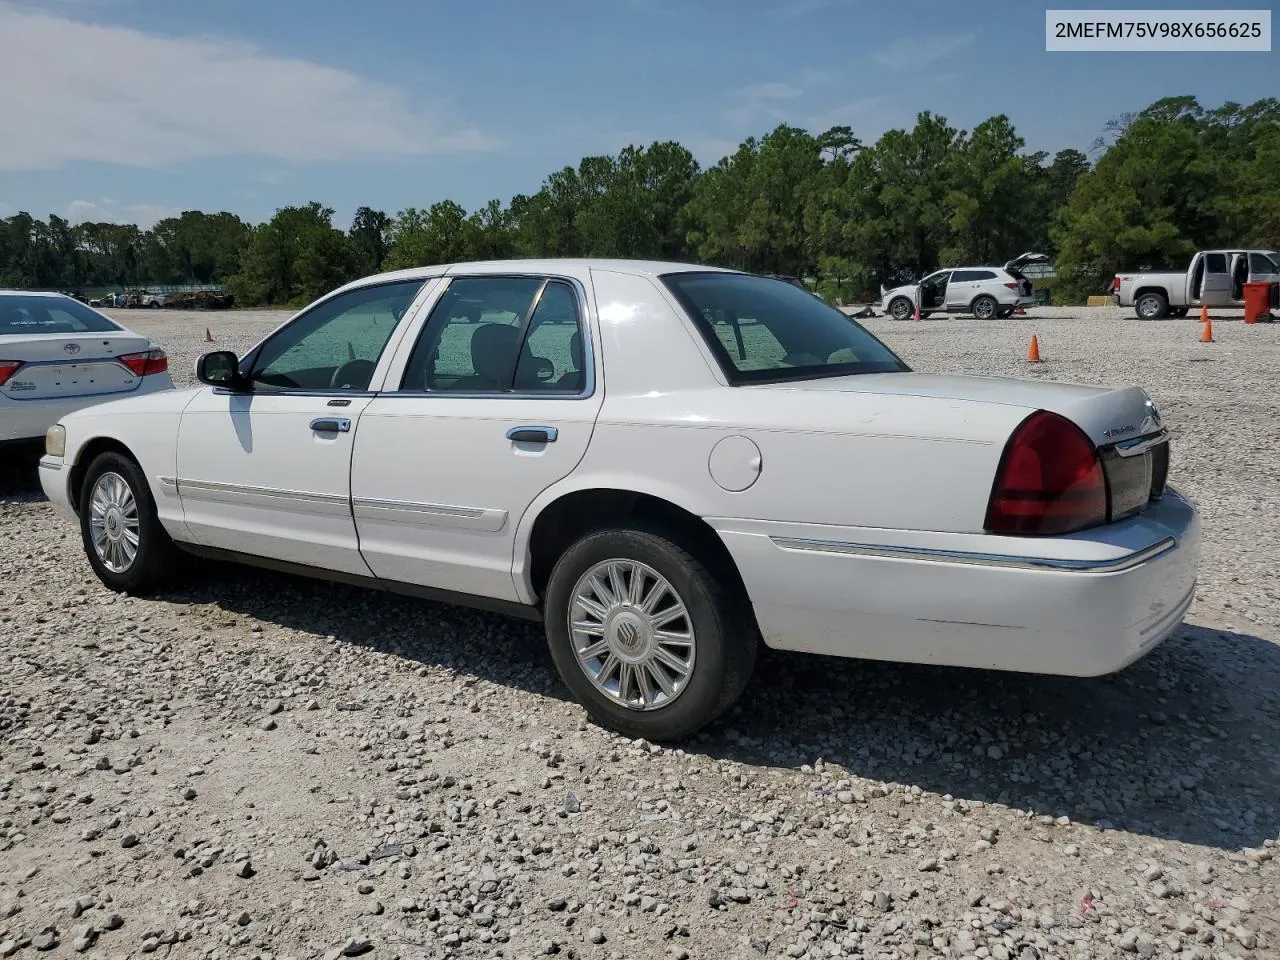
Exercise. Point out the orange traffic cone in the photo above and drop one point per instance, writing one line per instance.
(917, 316)
(1020, 311)
(1206, 332)
(1204, 313)
(208, 337)
(1033, 354)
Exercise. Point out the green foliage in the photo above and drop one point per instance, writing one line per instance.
(845, 215)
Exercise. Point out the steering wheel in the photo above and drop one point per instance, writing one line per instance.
(352, 375)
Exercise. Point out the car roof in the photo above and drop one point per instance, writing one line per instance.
(33, 293)
(553, 265)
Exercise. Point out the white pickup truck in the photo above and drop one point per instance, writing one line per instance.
(1215, 278)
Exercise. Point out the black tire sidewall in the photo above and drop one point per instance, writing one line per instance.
(985, 298)
(893, 312)
(725, 645)
(1158, 314)
(155, 552)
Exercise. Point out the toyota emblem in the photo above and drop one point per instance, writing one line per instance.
(71, 348)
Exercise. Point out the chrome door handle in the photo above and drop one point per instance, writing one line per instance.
(331, 425)
(533, 434)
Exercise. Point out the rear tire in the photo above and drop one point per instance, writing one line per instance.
(984, 307)
(126, 545)
(1151, 306)
(624, 590)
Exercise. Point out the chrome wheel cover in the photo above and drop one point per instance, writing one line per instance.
(113, 522)
(1148, 307)
(632, 634)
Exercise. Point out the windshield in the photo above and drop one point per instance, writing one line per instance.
(763, 331)
(25, 314)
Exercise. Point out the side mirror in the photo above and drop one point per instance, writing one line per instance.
(219, 369)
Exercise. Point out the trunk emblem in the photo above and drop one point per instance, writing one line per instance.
(71, 348)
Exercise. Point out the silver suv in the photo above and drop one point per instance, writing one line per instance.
(985, 292)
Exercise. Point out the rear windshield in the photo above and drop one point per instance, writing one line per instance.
(763, 330)
(35, 315)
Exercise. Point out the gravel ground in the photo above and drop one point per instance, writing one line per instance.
(261, 766)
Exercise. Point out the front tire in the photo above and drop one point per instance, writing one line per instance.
(901, 308)
(647, 634)
(126, 545)
(984, 307)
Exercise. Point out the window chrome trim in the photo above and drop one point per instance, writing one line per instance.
(584, 327)
(1008, 561)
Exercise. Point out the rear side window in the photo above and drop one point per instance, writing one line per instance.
(761, 331)
(501, 335)
(1216, 262)
(982, 275)
(52, 315)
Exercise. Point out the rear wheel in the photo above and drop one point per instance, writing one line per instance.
(1151, 306)
(984, 307)
(648, 636)
(126, 545)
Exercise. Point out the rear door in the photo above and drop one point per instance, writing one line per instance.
(1215, 289)
(55, 348)
(494, 402)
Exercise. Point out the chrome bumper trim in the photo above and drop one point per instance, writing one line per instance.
(981, 559)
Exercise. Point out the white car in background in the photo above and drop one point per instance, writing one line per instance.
(58, 355)
(985, 292)
(664, 463)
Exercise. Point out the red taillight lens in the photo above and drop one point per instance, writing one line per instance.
(1050, 480)
(147, 363)
(1115, 285)
(1012, 286)
(7, 369)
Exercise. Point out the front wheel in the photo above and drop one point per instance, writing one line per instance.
(127, 547)
(901, 309)
(645, 635)
(984, 307)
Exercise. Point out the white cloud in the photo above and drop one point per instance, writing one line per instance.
(912, 53)
(106, 210)
(761, 100)
(80, 91)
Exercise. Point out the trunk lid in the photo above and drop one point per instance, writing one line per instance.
(1025, 258)
(1122, 422)
(58, 366)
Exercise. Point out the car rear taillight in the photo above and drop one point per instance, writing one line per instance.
(7, 369)
(146, 363)
(1012, 286)
(1115, 285)
(1050, 480)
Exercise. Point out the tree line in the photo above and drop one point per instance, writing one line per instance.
(1165, 181)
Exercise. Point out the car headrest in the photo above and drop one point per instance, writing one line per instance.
(493, 348)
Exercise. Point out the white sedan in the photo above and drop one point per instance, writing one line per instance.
(664, 463)
(57, 355)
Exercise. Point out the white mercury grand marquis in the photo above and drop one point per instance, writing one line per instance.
(665, 464)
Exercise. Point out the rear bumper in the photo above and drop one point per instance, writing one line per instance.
(29, 419)
(1084, 605)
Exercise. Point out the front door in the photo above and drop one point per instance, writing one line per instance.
(266, 471)
(496, 403)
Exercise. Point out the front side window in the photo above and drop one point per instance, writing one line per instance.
(1216, 262)
(336, 345)
(501, 335)
(1260, 265)
(26, 314)
(762, 332)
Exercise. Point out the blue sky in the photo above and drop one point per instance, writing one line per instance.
(131, 110)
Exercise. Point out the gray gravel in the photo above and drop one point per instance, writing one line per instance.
(259, 766)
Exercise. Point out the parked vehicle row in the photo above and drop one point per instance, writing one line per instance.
(666, 464)
(1214, 278)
